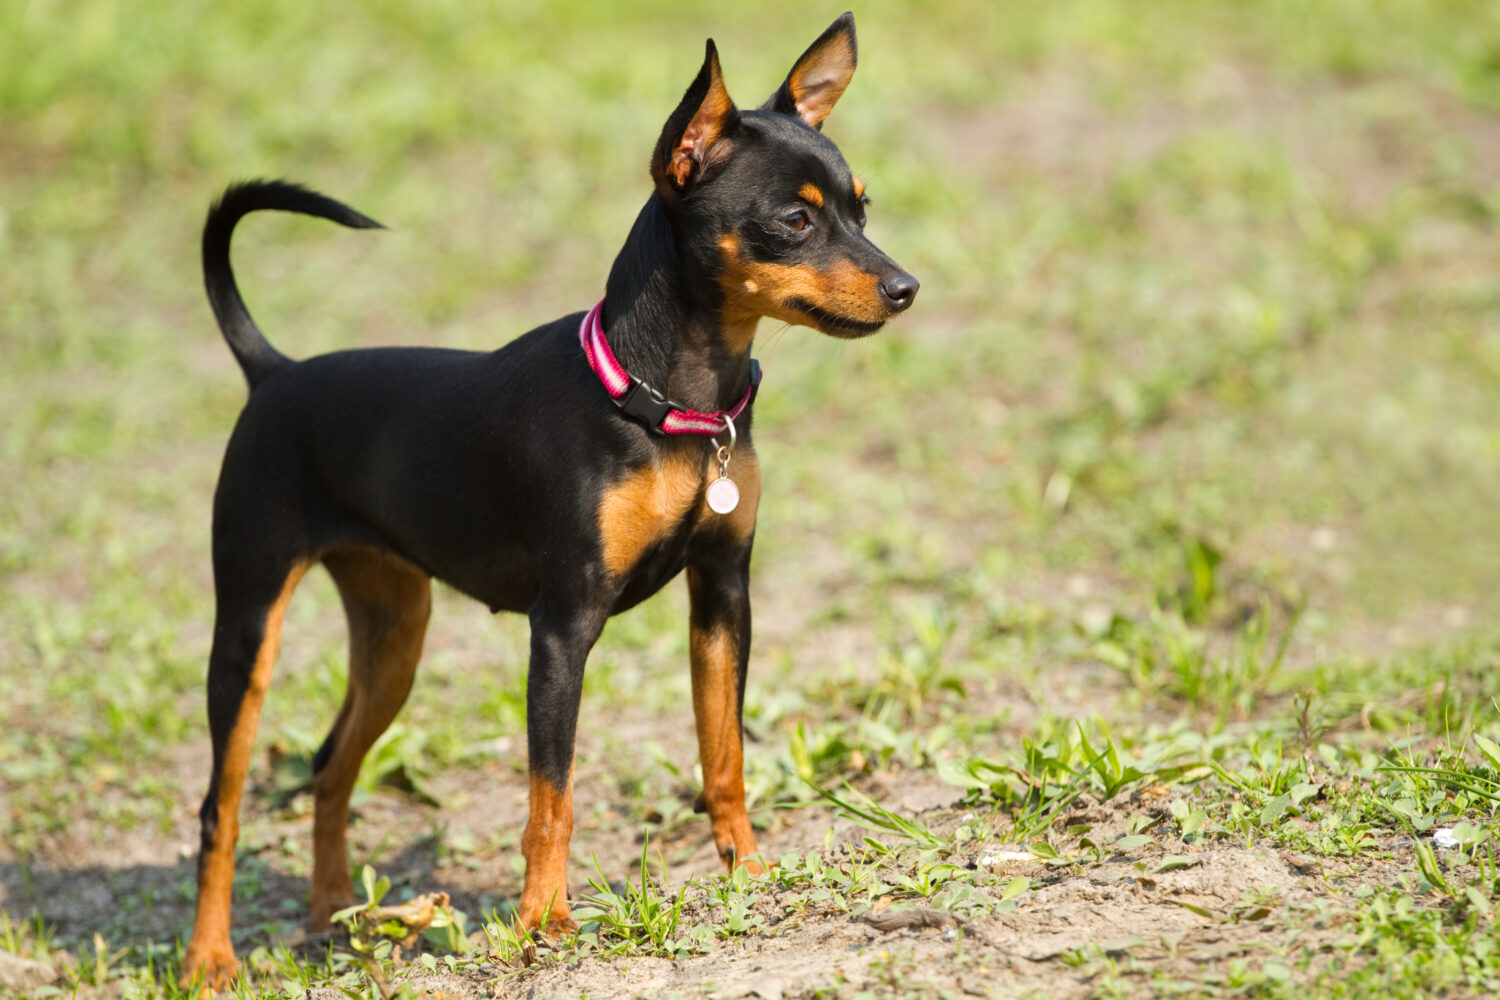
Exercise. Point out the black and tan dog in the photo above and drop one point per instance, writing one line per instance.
(569, 475)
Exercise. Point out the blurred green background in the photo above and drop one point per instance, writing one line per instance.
(1210, 299)
(1218, 269)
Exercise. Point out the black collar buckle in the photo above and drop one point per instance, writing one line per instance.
(645, 404)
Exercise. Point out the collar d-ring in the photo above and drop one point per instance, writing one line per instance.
(729, 425)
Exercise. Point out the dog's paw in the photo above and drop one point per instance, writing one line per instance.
(750, 860)
(559, 927)
(320, 914)
(756, 865)
(212, 967)
(555, 922)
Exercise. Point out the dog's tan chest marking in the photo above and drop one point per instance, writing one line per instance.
(645, 506)
(650, 503)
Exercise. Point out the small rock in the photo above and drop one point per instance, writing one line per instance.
(17, 973)
(1302, 865)
(1006, 858)
(1444, 840)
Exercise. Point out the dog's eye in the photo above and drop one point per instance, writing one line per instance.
(798, 220)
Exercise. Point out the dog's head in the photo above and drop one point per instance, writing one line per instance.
(766, 204)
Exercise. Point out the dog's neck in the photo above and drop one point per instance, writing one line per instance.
(664, 326)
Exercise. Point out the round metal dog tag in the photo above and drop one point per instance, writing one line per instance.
(723, 495)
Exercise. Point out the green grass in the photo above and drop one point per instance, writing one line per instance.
(1170, 504)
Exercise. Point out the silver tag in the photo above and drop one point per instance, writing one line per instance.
(723, 495)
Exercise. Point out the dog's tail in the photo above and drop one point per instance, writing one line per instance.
(251, 349)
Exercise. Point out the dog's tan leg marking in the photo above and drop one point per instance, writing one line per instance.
(717, 673)
(210, 951)
(549, 827)
(387, 603)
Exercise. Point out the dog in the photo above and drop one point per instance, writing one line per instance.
(568, 475)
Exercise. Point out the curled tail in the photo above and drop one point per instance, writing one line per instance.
(252, 350)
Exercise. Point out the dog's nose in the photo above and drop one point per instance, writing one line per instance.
(900, 291)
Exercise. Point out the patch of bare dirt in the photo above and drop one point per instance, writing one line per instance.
(1225, 902)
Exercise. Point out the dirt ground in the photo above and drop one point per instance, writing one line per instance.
(1168, 922)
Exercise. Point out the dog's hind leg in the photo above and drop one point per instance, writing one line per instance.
(247, 635)
(387, 602)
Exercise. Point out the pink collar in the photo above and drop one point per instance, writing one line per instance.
(643, 403)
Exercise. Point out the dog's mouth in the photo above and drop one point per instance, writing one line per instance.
(833, 324)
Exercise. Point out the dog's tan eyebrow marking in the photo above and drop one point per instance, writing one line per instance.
(811, 194)
(859, 188)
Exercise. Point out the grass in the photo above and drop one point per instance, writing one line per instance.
(1158, 538)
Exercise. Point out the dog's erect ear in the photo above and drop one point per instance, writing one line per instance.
(695, 137)
(818, 79)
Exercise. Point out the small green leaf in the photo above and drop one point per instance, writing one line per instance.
(1490, 749)
(1405, 807)
(1015, 887)
(1274, 809)
(367, 879)
(1306, 790)
(801, 759)
(1042, 849)
(1469, 833)
(954, 772)
(343, 916)
(1202, 911)
(1173, 862)
(1428, 863)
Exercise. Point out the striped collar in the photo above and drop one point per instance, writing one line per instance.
(639, 401)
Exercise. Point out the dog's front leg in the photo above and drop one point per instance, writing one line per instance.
(560, 644)
(719, 592)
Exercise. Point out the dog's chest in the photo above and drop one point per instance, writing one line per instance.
(650, 519)
(652, 506)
